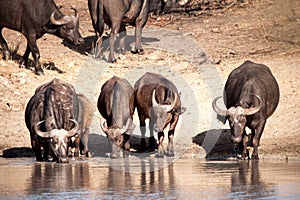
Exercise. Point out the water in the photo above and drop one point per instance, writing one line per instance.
(148, 178)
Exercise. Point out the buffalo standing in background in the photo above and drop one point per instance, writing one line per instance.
(115, 104)
(157, 98)
(117, 14)
(33, 19)
(52, 118)
(251, 96)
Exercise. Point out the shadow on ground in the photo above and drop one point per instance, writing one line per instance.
(99, 145)
(222, 148)
(18, 152)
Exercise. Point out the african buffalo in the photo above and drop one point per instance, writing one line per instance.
(33, 19)
(115, 104)
(117, 14)
(157, 98)
(52, 117)
(251, 96)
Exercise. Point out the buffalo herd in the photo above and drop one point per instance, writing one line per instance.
(58, 118)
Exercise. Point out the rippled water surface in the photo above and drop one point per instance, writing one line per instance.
(149, 178)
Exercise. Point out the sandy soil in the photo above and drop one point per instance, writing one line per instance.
(264, 31)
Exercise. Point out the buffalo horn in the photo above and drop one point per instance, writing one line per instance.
(76, 13)
(74, 130)
(253, 110)
(168, 108)
(154, 102)
(217, 109)
(41, 133)
(103, 125)
(62, 21)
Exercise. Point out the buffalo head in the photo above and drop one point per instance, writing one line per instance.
(59, 139)
(68, 28)
(237, 117)
(115, 135)
(163, 113)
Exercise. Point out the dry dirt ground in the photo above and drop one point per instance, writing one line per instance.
(265, 31)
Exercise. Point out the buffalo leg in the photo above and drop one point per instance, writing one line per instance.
(32, 46)
(37, 150)
(138, 46)
(6, 53)
(126, 145)
(84, 143)
(244, 146)
(98, 47)
(112, 39)
(48, 155)
(152, 143)
(24, 61)
(115, 150)
(140, 23)
(160, 147)
(76, 146)
(122, 35)
(170, 147)
(256, 139)
(143, 132)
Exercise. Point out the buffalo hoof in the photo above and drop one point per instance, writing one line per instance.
(89, 154)
(6, 55)
(112, 60)
(170, 154)
(125, 154)
(138, 51)
(40, 73)
(159, 154)
(22, 65)
(114, 155)
(49, 159)
(121, 51)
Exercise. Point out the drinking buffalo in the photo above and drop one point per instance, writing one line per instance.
(115, 104)
(117, 14)
(52, 118)
(157, 98)
(33, 19)
(251, 96)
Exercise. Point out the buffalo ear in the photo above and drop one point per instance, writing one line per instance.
(223, 119)
(179, 111)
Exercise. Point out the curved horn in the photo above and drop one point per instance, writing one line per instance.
(217, 109)
(253, 110)
(74, 130)
(154, 102)
(103, 125)
(41, 133)
(170, 107)
(62, 21)
(76, 12)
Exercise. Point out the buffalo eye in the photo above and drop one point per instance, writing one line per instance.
(67, 27)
